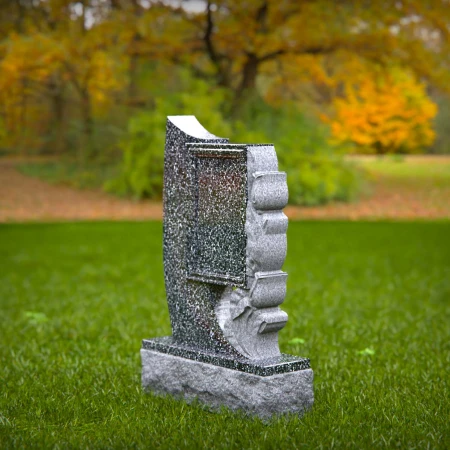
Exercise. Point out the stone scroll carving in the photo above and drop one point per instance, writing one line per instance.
(250, 317)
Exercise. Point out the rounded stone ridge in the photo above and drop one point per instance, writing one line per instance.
(191, 127)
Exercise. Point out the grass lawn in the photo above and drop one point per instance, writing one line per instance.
(414, 170)
(370, 300)
(410, 171)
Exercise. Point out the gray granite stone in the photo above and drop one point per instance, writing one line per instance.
(214, 386)
(224, 246)
(224, 242)
(190, 298)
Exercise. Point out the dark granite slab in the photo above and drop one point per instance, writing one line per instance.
(265, 368)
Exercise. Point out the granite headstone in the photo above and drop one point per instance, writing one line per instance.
(224, 247)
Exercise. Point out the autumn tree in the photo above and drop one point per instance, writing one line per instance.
(27, 66)
(237, 42)
(93, 73)
(58, 55)
(389, 113)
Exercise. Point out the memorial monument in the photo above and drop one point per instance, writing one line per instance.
(224, 247)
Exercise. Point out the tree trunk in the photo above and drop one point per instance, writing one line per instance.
(86, 149)
(132, 79)
(133, 68)
(59, 144)
(134, 99)
(58, 122)
(249, 73)
(247, 86)
(23, 142)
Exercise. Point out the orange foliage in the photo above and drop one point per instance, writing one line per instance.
(387, 113)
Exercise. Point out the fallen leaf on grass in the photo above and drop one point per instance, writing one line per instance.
(296, 341)
(36, 318)
(367, 352)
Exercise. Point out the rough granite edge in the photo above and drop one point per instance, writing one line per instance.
(215, 386)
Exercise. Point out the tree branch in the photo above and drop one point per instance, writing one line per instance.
(272, 55)
(208, 37)
(304, 51)
(261, 16)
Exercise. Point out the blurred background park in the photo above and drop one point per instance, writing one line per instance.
(355, 96)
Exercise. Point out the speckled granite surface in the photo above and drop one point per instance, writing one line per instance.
(224, 245)
(214, 386)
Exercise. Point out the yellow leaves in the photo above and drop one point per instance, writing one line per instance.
(28, 62)
(102, 79)
(297, 72)
(384, 113)
(32, 57)
(35, 68)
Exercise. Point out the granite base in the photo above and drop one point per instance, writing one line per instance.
(216, 386)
